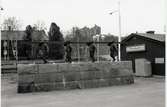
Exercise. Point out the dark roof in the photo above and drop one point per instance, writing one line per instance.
(157, 37)
(19, 35)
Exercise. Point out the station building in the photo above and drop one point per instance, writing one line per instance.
(149, 46)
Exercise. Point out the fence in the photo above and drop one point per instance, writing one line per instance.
(22, 50)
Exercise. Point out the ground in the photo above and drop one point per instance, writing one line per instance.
(145, 92)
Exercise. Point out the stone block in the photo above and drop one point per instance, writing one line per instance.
(42, 78)
(96, 74)
(114, 81)
(59, 86)
(88, 67)
(72, 76)
(26, 87)
(72, 85)
(103, 82)
(89, 84)
(65, 67)
(22, 88)
(49, 77)
(25, 78)
(44, 87)
(56, 77)
(49, 86)
(27, 69)
(47, 68)
(91, 75)
(84, 75)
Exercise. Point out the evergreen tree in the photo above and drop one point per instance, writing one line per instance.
(56, 42)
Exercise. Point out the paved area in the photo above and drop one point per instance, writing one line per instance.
(146, 92)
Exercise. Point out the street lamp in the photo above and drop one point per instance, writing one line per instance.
(1, 8)
(119, 38)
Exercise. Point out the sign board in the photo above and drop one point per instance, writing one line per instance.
(136, 48)
(159, 60)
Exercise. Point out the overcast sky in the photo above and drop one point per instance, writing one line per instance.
(136, 15)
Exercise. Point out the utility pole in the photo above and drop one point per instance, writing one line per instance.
(119, 38)
(119, 28)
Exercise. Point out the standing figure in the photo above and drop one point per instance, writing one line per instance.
(42, 52)
(113, 50)
(68, 51)
(92, 50)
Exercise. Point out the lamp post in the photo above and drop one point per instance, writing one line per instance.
(1, 9)
(98, 47)
(119, 37)
(5, 44)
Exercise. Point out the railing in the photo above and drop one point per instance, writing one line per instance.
(22, 50)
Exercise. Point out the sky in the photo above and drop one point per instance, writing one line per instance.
(136, 15)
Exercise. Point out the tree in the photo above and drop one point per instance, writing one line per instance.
(28, 32)
(56, 45)
(110, 37)
(11, 23)
(39, 25)
(27, 47)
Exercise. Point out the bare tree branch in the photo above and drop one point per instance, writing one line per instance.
(39, 25)
(13, 23)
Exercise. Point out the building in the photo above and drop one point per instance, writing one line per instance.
(95, 30)
(147, 45)
(9, 40)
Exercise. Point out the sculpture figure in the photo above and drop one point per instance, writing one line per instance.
(92, 50)
(113, 50)
(68, 50)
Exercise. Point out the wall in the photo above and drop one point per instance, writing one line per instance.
(46, 77)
